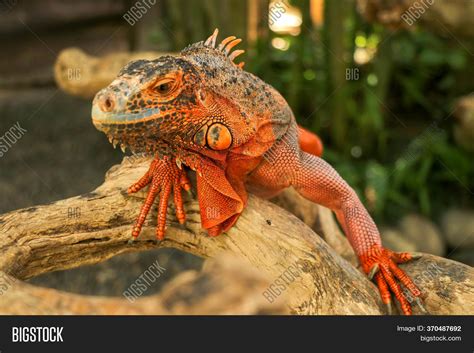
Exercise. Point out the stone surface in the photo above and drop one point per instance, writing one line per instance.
(424, 233)
(395, 240)
(464, 128)
(458, 228)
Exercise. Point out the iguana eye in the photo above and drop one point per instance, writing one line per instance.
(164, 87)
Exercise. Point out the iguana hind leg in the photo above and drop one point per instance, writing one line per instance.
(286, 165)
(317, 181)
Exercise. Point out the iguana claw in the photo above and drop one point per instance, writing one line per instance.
(381, 264)
(373, 271)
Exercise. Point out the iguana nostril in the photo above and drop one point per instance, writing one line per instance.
(106, 102)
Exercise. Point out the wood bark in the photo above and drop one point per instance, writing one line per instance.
(189, 293)
(311, 276)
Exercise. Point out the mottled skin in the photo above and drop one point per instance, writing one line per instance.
(201, 110)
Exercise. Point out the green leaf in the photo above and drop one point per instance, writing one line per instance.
(423, 171)
(457, 59)
(424, 199)
(432, 57)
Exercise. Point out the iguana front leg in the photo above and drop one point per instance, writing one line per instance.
(220, 205)
(163, 175)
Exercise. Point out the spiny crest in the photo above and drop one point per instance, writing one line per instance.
(225, 47)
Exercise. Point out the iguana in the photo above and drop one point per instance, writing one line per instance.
(201, 110)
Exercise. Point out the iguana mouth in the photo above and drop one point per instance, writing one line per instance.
(100, 117)
(131, 136)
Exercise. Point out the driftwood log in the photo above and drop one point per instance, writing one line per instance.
(83, 75)
(190, 293)
(304, 274)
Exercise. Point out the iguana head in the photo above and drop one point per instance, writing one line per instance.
(199, 100)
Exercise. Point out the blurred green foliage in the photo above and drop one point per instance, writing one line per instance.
(393, 155)
(394, 143)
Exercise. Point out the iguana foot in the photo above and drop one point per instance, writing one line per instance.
(381, 264)
(163, 175)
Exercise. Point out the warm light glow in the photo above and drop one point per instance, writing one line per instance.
(362, 56)
(284, 19)
(316, 11)
(365, 48)
(280, 43)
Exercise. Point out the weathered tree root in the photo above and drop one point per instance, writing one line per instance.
(311, 276)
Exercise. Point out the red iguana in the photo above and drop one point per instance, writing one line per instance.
(201, 110)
